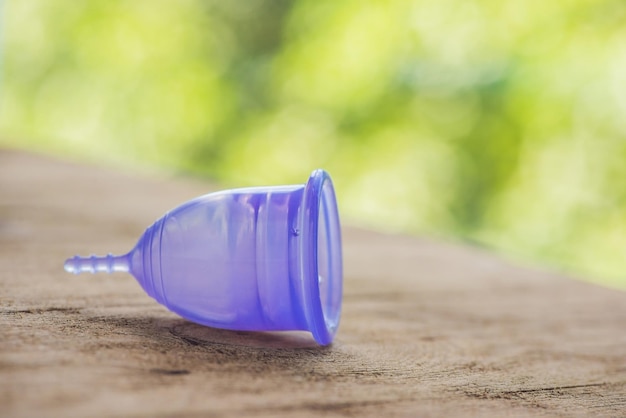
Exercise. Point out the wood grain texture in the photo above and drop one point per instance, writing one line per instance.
(428, 329)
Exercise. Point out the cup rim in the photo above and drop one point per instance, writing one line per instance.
(323, 327)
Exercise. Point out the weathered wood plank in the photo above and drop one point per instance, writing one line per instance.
(428, 329)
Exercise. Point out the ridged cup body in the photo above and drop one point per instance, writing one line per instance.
(247, 259)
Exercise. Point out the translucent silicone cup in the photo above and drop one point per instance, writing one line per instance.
(262, 259)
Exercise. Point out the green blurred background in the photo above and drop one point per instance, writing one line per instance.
(499, 123)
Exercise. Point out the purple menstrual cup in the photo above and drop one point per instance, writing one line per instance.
(261, 259)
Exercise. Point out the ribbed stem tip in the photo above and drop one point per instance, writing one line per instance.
(94, 264)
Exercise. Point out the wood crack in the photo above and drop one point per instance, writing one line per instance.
(552, 388)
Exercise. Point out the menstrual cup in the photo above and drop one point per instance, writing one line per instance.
(258, 259)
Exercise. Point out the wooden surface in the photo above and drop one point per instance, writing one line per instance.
(428, 329)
